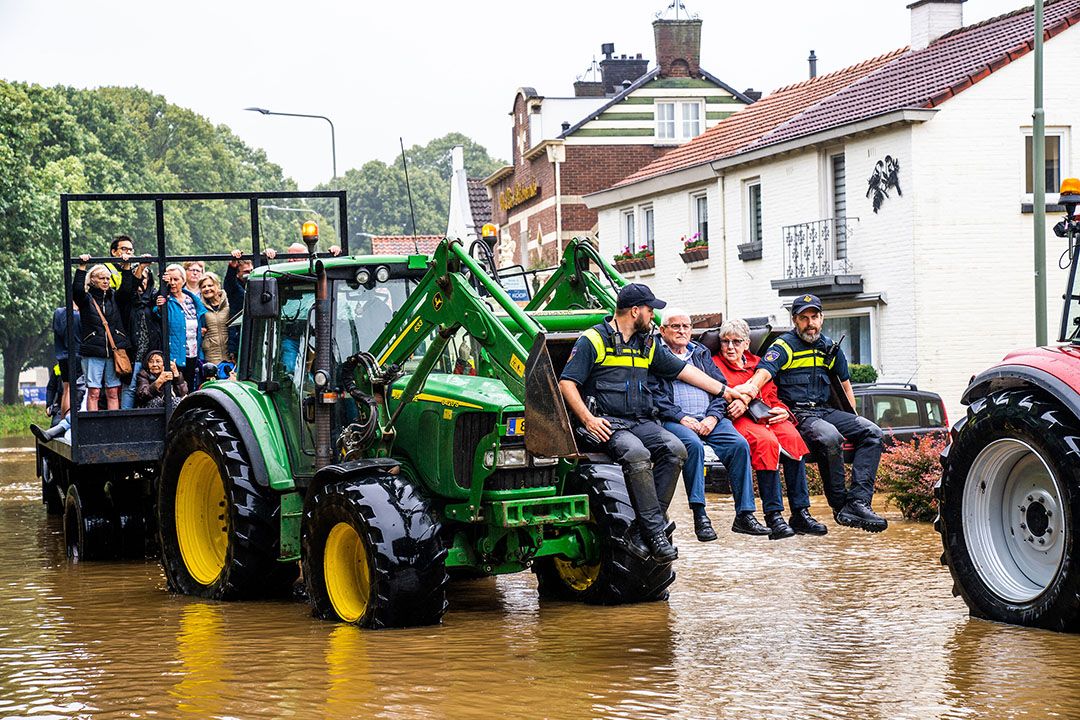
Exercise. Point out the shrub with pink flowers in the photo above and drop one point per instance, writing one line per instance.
(642, 253)
(694, 241)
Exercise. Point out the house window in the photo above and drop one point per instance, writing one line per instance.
(1056, 153)
(689, 125)
(838, 175)
(855, 329)
(753, 211)
(628, 227)
(701, 216)
(647, 226)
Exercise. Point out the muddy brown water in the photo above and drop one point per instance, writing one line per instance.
(847, 626)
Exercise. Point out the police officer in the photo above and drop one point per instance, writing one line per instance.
(803, 363)
(610, 364)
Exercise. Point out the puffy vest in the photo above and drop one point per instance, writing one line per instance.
(619, 377)
(804, 376)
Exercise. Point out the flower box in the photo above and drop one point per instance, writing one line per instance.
(635, 264)
(695, 254)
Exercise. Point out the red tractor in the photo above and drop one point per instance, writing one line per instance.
(1009, 496)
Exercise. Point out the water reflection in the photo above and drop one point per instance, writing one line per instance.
(849, 625)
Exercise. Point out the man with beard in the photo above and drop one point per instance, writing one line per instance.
(803, 362)
(605, 385)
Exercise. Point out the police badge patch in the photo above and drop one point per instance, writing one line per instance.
(773, 355)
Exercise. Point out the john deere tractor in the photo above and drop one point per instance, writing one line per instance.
(395, 419)
(1009, 495)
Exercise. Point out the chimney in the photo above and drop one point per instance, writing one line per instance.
(930, 19)
(588, 88)
(616, 71)
(678, 47)
(753, 94)
(813, 64)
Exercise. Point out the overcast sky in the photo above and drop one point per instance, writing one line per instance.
(412, 68)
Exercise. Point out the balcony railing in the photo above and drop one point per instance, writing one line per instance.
(816, 249)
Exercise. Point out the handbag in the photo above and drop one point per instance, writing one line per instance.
(121, 361)
(758, 411)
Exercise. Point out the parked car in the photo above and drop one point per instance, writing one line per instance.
(901, 410)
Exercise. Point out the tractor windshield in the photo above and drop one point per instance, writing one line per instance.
(361, 313)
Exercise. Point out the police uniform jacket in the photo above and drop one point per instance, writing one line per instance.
(801, 371)
(616, 373)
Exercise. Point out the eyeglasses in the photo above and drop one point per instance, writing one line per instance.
(679, 327)
(126, 248)
(733, 343)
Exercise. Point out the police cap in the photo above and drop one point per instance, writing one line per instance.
(636, 294)
(805, 302)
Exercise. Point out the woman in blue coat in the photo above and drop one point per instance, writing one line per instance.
(185, 313)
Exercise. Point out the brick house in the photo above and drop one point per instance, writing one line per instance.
(898, 189)
(618, 121)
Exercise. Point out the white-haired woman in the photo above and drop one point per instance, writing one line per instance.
(96, 300)
(185, 313)
(772, 443)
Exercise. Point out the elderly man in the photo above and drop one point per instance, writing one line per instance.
(696, 417)
(606, 386)
(803, 363)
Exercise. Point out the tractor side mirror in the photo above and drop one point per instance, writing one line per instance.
(263, 300)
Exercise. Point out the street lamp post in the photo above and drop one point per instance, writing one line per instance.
(333, 142)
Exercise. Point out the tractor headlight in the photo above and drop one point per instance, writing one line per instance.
(363, 276)
(514, 457)
(382, 274)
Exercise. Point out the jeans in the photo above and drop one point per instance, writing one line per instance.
(127, 395)
(650, 458)
(99, 372)
(824, 430)
(794, 478)
(733, 451)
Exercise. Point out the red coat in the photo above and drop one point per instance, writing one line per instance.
(765, 441)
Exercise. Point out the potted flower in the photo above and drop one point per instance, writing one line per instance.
(634, 261)
(695, 248)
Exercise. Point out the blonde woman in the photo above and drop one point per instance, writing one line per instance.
(215, 338)
(91, 292)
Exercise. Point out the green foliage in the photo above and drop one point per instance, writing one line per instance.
(436, 156)
(863, 373)
(16, 419)
(908, 473)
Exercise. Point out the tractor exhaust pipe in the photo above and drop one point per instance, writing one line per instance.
(325, 395)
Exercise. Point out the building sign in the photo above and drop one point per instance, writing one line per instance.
(513, 196)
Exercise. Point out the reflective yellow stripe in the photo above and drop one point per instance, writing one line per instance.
(593, 335)
(414, 325)
(626, 361)
(605, 356)
(787, 348)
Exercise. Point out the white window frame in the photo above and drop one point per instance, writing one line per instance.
(1064, 153)
(748, 212)
(695, 212)
(869, 312)
(676, 126)
(628, 229)
(648, 229)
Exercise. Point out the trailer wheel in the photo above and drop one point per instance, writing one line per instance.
(88, 533)
(372, 554)
(53, 493)
(623, 571)
(1009, 500)
(218, 530)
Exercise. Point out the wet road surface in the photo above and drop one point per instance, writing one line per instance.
(846, 626)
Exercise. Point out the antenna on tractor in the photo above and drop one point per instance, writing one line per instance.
(408, 188)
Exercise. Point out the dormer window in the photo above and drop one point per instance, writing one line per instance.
(678, 120)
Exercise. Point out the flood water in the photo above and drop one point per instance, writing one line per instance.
(846, 626)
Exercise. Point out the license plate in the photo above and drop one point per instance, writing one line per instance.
(516, 426)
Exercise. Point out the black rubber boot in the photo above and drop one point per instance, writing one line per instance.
(778, 528)
(747, 524)
(858, 514)
(804, 523)
(702, 525)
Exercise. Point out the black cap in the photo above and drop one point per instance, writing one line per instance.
(805, 302)
(636, 294)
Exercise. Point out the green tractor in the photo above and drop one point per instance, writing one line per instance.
(396, 420)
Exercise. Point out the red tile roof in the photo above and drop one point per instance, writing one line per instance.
(404, 244)
(898, 80)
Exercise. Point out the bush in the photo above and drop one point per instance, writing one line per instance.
(16, 419)
(908, 473)
(862, 373)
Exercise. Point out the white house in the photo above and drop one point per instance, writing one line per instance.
(896, 190)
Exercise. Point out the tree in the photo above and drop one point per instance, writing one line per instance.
(436, 156)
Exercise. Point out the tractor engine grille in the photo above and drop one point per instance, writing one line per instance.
(521, 478)
(469, 428)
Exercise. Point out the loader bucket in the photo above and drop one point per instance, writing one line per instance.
(547, 424)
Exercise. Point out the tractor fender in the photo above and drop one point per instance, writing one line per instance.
(247, 409)
(1008, 375)
(364, 467)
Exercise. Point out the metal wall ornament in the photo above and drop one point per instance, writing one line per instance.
(886, 177)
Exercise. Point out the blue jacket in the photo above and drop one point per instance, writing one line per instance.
(663, 389)
(802, 372)
(177, 348)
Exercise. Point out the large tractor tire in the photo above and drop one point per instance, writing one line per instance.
(372, 554)
(624, 572)
(88, 531)
(218, 530)
(1009, 503)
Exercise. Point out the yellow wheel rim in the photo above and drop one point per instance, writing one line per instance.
(202, 522)
(347, 572)
(577, 577)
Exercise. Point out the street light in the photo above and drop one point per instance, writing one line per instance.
(333, 142)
